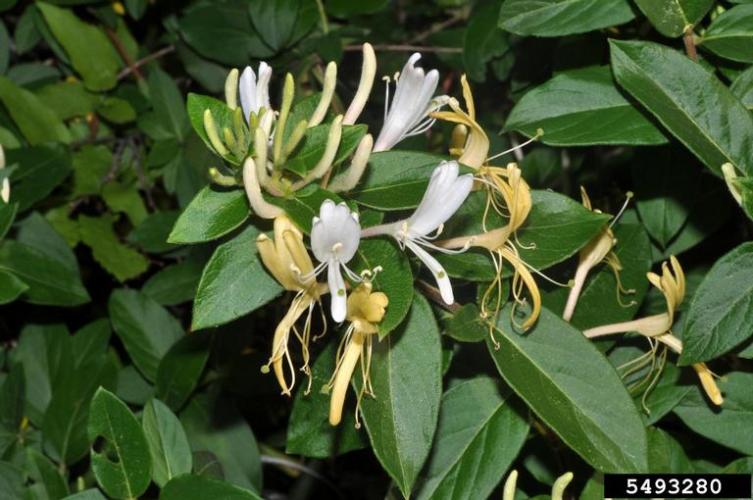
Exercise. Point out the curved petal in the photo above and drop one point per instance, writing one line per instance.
(338, 306)
(247, 90)
(443, 281)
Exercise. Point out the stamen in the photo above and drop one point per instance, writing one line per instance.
(535, 138)
(386, 80)
(628, 197)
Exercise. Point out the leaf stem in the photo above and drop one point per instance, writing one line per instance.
(689, 41)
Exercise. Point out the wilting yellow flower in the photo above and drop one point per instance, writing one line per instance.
(366, 310)
(288, 261)
(476, 146)
(598, 250)
(672, 284)
(515, 202)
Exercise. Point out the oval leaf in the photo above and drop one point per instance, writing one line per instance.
(189, 487)
(582, 107)
(689, 100)
(670, 17)
(731, 34)
(233, 283)
(212, 213)
(478, 436)
(168, 444)
(127, 476)
(145, 327)
(569, 384)
(406, 373)
(721, 312)
(562, 17)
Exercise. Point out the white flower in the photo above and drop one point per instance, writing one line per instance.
(255, 93)
(5, 185)
(411, 105)
(335, 235)
(446, 192)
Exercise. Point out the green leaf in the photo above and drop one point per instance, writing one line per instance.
(168, 103)
(395, 279)
(91, 341)
(665, 453)
(406, 372)
(670, 17)
(281, 23)
(742, 87)
(90, 494)
(466, 325)
(127, 475)
(12, 398)
(11, 480)
(483, 40)
(146, 329)
(233, 283)
(478, 436)
(308, 154)
(90, 51)
(731, 34)
(168, 444)
(37, 123)
(49, 482)
(180, 369)
(562, 17)
(151, 235)
(554, 368)
(50, 281)
(303, 205)
(215, 425)
(395, 180)
(119, 260)
(176, 283)
(67, 99)
(116, 110)
(7, 216)
(582, 107)
(696, 107)
(40, 170)
(309, 431)
(11, 287)
(721, 312)
(64, 425)
(132, 388)
(542, 246)
(598, 303)
(729, 425)
(211, 28)
(39, 351)
(125, 198)
(190, 487)
(212, 213)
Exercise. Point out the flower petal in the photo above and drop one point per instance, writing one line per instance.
(443, 281)
(338, 306)
(247, 90)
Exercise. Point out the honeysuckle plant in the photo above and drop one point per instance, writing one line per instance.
(383, 249)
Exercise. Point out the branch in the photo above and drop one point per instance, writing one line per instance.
(406, 48)
(435, 296)
(134, 67)
(123, 53)
(689, 40)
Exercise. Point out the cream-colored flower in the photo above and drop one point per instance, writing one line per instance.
(288, 261)
(672, 285)
(366, 310)
(598, 250)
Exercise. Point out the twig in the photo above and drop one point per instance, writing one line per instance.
(454, 19)
(436, 297)
(406, 48)
(123, 52)
(688, 39)
(151, 57)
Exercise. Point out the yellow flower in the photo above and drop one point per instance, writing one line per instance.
(366, 310)
(514, 202)
(597, 250)
(476, 146)
(288, 261)
(672, 284)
